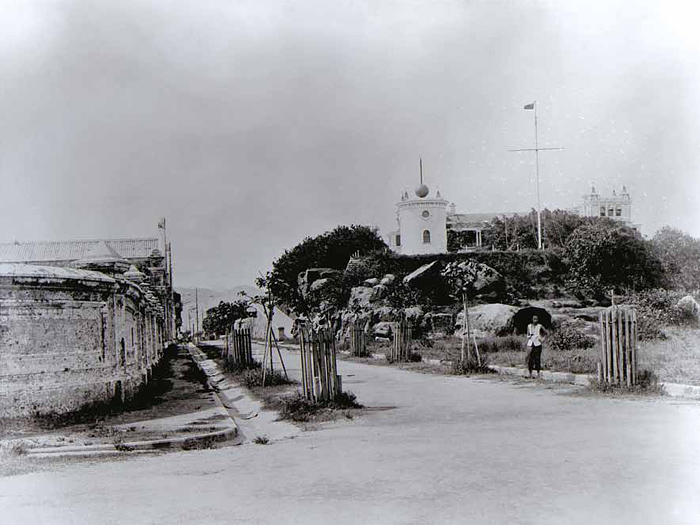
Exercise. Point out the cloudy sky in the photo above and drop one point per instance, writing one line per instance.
(252, 124)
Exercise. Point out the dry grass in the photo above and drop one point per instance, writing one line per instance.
(675, 359)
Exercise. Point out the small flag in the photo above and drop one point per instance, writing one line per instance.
(161, 223)
(530, 106)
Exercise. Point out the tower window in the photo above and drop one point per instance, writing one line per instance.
(425, 214)
(602, 211)
(398, 240)
(426, 236)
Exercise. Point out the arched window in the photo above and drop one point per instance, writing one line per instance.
(426, 236)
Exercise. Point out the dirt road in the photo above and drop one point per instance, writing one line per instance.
(431, 449)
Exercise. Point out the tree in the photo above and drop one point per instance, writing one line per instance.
(220, 318)
(679, 254)
(604, 257)
(462, 277)
(331, 249)
(520, 231)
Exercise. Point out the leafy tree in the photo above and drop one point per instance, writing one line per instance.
(219, 318)
(520, 231)
(679, 253)
(332, 249)
(604, 257)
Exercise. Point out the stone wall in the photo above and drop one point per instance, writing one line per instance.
(70, 337)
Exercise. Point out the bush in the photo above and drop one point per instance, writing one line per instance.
(471, 366)
(657, 309)
(509, 343)
(253, 378)
(568, 337)
(647, 384)
(298, 408)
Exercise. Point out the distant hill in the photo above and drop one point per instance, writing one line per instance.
(209, 297)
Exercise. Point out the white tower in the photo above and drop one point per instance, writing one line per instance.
(422, 222)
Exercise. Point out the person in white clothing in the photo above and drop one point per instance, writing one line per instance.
(535, 336)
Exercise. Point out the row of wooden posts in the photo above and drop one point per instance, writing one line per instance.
(319, 369)
(400, 346)
(321, 382)
(238, 348)
(618, 346)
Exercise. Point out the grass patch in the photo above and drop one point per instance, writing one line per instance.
(261, 440)
(471, 366)
(675, 359)
(647, 384)
(299, 409)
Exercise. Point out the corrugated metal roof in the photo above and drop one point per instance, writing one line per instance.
(73, 250)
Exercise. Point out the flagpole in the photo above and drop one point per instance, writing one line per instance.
(537, 149)
(537, 171)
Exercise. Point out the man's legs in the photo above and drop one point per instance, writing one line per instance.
(537, 356)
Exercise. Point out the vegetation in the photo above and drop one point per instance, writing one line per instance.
(606, 257)
(679, 254)
(647, 384)
(298, 408)
(332, 249)
(220, 318)
(568, 337)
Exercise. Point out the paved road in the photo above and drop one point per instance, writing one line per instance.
(433, 449)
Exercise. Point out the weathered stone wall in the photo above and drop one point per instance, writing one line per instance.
(72, 337)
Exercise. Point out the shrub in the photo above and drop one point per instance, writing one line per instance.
(568, 337)
(657, 309)
(647, 383)
(509, 343)
(471, 366)
(253, 378)
(298, 408)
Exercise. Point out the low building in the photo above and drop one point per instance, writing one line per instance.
(71, 337)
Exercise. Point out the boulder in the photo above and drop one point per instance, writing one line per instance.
(413, 313)
(308, 277)
(426, 273)
(371, 282)
(388, 279)
(383, 329)
(489, 319)
(364, 297)
(690, 307)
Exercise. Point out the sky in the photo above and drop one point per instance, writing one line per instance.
(251, 124)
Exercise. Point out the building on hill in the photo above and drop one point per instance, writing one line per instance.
(615, 207)
(423, 221)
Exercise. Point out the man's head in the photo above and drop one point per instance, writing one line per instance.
(535, 320)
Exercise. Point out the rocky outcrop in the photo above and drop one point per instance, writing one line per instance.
(690, 307)
(307, 278)
(489, 319)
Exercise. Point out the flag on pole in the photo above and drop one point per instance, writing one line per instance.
(161, 223)
(530, 106)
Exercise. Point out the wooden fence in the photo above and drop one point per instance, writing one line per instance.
(401, 345)
(238, 348)
(319, 370)
(358, 340)
(618, 345)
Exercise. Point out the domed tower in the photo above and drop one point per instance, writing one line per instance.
(422, 221)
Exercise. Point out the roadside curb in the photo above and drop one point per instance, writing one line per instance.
(183, 443)
(189, 442)
(671, 389)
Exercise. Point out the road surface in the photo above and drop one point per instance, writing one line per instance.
(431, 449)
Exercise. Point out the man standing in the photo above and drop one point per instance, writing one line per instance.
(535, 336)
